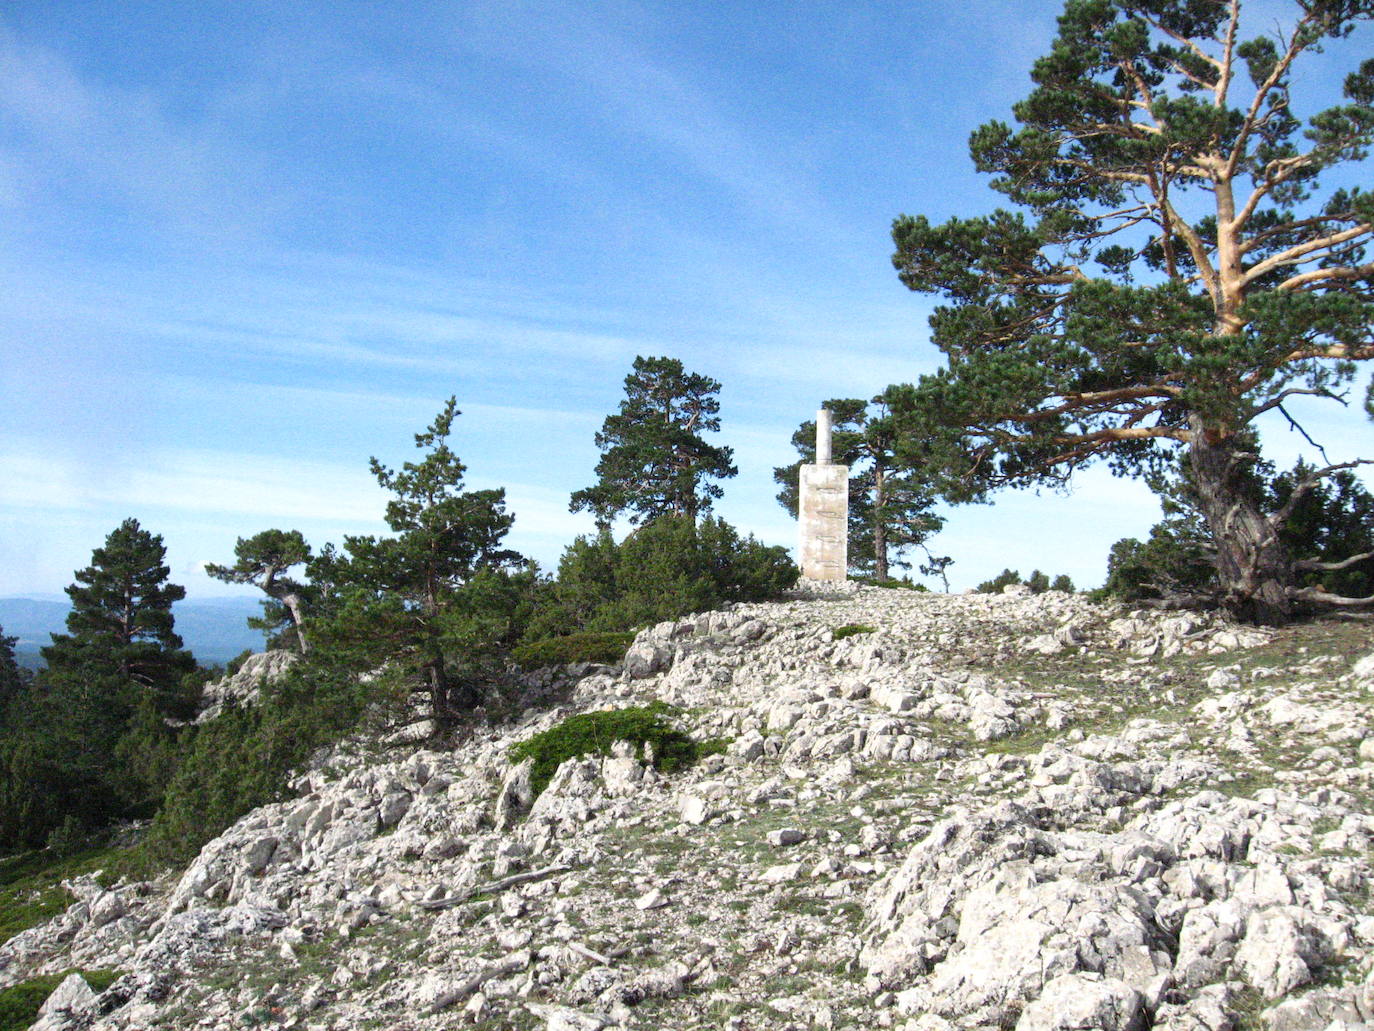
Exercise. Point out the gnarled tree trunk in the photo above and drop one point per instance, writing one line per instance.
(292, 601)
(1253, 565)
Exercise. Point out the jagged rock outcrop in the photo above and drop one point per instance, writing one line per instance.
(242, 686)
(990, 811)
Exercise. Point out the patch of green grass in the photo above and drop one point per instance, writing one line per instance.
(515, 1019)
(850, 629)
(31, 889)
(1246, 1007)
(19, 1004)
(809, 905)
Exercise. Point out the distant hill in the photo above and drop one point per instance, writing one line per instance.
(215, 629)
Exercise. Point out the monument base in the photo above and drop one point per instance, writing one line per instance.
(824, 517)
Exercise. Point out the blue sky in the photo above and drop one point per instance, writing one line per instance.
(245, 246)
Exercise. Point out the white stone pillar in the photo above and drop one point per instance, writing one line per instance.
(824, 510)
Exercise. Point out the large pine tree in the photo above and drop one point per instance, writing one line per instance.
(121, 616)
(71, 738)
(1173, 268)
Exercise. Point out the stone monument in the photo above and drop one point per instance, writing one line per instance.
(824, 511)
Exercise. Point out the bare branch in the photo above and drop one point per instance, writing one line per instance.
(1276, 173)
(1196, 247)
(1074, 402)
(1305, 280)
(1187, 41)
(1228, 51)
(1306, 484)
(1325, 598)
(1293, 424)
(1340, 351)
(1276, 73)
(1288, 227)
(1084, 445)
(1307, 251)
(1331, 567)
(1277, 402)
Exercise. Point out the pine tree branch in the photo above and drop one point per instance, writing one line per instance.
(1228, 61)
(1331, 567)
(1308, 251)
(1278, 400)
(1326, 598)
(1276, 173)
(1319, 275)
(1185, 40)
(1196, 247)
(1283, 228)
(1339, 351)
(1309, 481)
(1275, 75)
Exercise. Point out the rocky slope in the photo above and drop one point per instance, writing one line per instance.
(998, 812)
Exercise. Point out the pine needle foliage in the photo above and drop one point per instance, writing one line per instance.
(605, 648)
(595, 733)
(1170, 268)
(655, 460)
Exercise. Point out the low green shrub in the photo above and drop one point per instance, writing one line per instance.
(593, 733)
(850, 629)
(1038, 582)
(20, 1003)
(891, 583)
(607, 648)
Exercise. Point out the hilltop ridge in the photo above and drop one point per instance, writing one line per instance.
(932, 812)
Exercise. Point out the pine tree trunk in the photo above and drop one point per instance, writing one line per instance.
(879, 526)
(439, 690)
(438, 676)
(292, 601)
(1253, 566)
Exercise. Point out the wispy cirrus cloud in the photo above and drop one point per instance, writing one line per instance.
(197, 481)
(66, 137)
(599, 52)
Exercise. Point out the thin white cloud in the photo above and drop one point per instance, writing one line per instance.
(301, 317)
(195, 482)
(657, 101)
(68, 129)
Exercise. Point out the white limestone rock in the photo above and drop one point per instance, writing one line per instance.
(1075, 1001)
(70, 1006)
(1278, 953)
(242, 687)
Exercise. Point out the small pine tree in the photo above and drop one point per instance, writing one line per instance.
(654, 459)
(1005, 578)
(441, 589)
(263, 560)
(664, 570)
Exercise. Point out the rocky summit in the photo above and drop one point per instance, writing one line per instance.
(931, 812)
